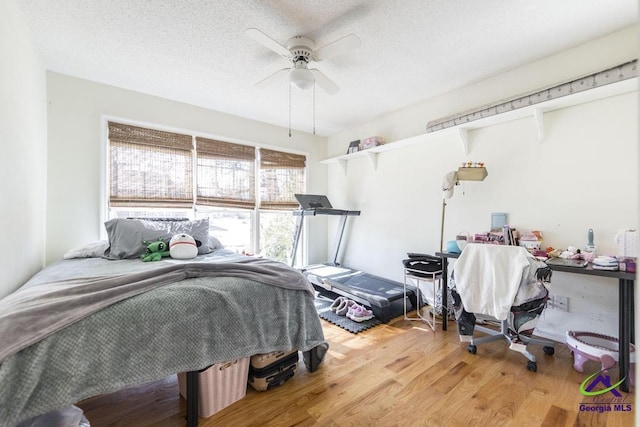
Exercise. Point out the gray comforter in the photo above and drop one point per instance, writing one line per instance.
(215, 308)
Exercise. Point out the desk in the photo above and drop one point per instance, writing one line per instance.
(626, 334)
(626, 284)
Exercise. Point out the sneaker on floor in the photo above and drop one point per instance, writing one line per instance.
(336, 303)
(358, 313)
(351, 309)
(345, 307)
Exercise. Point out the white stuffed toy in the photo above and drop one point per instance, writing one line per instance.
(183, 246)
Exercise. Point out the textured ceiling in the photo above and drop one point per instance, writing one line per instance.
(195, 51)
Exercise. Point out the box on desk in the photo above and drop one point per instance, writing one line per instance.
(628, 243)
(219, 385)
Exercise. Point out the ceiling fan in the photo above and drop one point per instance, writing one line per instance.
(301, 51)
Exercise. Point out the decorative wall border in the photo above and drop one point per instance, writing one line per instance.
(615, 74)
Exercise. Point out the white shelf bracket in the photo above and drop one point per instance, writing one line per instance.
(463, 135)
(343, 165)
(539, 116)
(373, 158)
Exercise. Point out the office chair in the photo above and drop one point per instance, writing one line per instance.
(506, 283)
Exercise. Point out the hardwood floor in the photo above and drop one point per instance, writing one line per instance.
(398, 374)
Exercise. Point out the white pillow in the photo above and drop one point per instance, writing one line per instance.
(88, 250)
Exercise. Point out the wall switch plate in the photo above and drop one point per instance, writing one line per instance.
(562, 303)
(558, 302)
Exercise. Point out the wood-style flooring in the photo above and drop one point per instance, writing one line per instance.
(398, 374)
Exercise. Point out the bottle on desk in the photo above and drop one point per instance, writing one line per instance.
(590, 248)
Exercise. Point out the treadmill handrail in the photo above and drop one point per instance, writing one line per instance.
(301, 213)
(324, 211)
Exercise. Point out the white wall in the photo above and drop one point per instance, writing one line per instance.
(583, 175)
(23, 161)
(76, 151)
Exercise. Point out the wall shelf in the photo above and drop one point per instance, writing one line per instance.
(461, 132)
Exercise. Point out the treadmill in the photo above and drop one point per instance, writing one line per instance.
(333, 280)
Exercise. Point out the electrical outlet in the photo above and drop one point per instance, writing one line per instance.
(558, 302)
(562, 303)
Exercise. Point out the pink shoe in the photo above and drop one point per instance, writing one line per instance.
(358, 313)
(345, 307)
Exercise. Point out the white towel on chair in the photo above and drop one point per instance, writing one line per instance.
(487, 277)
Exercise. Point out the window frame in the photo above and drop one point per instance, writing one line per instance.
(254, 211)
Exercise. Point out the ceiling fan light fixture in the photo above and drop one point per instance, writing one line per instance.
(301, 77)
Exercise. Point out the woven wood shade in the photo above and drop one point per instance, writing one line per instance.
(152, 168)
(226, 174)
(137, 135)
(281, 176)
(149, 168)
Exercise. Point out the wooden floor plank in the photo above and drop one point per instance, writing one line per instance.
(398, 374)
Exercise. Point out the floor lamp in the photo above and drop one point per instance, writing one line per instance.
(449, 182)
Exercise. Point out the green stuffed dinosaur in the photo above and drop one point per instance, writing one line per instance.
(155, 250)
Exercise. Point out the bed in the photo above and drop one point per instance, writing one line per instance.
(92, 325)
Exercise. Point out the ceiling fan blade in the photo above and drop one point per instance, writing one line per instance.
(324, 82)
(267, 42)
(272, 78)
(338, 47)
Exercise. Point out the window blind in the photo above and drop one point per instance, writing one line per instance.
(226, 174)
(152, 168)
(281, 176)
(149, 168)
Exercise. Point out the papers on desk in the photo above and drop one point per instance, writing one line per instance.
(605, 263)
(566, 262)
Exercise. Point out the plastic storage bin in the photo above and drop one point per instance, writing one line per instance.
(219, 385)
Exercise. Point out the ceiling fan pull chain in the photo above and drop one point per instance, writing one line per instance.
(314, 107)
(289, 110)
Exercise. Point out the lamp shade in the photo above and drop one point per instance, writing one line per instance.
(472, 174)
(301, 77)
(449, 183)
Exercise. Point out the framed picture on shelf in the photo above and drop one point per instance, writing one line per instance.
(353, 146)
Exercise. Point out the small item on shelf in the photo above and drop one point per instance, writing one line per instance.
(498, 220)
(506, 235)
(626, 264)
(472, 165)
(531, 240)
(540, 254)
(461, 242)
(354, 146)
(628, 243)
(591, 248)
(603, 262)
(481, 237)
(630, 264)
(370, 142)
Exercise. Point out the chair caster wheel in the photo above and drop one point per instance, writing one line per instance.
(548, 350)
(472, 349)
(532, 366)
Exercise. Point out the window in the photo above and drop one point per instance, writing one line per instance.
(246, 192)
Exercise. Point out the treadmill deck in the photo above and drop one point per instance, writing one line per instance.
(375, 292)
